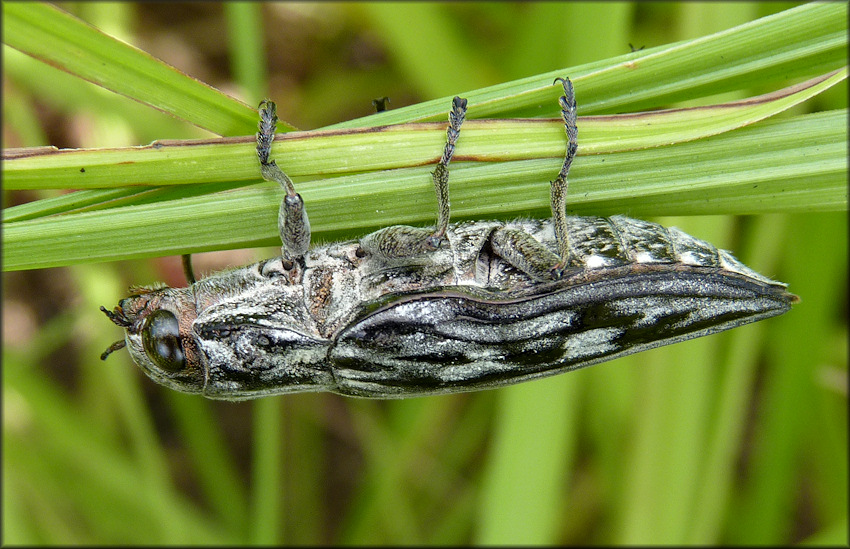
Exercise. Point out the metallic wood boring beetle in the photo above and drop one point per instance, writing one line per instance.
(408, 311)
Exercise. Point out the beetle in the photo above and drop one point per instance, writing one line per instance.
(411, 311)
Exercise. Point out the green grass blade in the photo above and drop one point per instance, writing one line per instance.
(738, 362)
(314, 154)
(784, 428)
(797, 164)
(522, 492)
(245, 40)
(813, 40)
(47, 33)
(75, 201)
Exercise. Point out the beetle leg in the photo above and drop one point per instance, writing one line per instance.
(560, 184)
(292, 219)
(441, 173)
(401, 242)
(188, 271)
(522, 250)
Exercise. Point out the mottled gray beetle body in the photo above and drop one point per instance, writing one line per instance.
(407, 311)
(457, 319)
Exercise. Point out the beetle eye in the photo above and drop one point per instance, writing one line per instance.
(161, 340)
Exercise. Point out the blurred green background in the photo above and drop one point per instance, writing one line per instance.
(735, 438)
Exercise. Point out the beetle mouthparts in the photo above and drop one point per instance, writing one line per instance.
(120, 344)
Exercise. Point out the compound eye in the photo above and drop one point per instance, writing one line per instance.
(161, 340)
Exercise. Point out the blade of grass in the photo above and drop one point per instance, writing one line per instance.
(98, 199)
(813, 37)
(531, 460)
(47, 33)
(318, 153)
(265, 526)
(739, 361)
(801, 42)
(772, 481)
(216, 470)
(76, 97)
(796, 164)
(245, 41)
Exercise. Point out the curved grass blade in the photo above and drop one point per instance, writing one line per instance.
(341, 152)
(56, 37)
(797, 164)
(801, 42)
